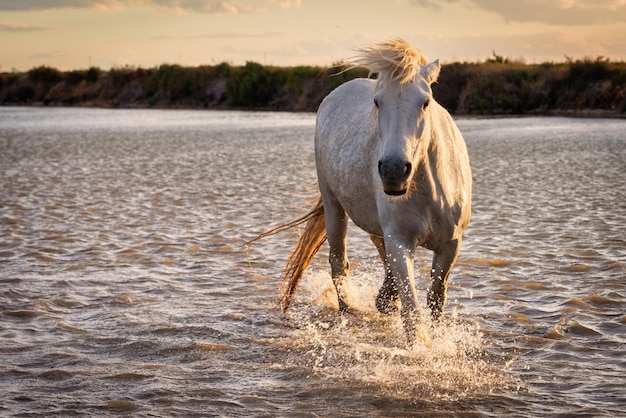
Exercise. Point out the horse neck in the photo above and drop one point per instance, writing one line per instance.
(440, 138)
(442, 160)
(434, 149)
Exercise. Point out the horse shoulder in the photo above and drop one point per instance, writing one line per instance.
(343, 150)
(450, 150)
(344, 115)
(449, 173)
(350, 98)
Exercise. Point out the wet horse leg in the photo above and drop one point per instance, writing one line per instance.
(336, 229)
(443, 261)
(400, 255)
(387, 299)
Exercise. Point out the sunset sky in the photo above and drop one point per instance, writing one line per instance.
(76, 34)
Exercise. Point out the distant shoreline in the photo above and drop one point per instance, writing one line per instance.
(583, 88)
(582, 113)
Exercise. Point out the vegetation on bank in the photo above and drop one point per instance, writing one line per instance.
(495, 87)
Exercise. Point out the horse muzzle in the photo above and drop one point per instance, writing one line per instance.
(395, 176)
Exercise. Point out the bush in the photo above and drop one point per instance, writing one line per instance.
(93, 74)
(75, 77)
(497, 86)
(20, 94)
(221, 70)
(252, 85)
(582, 73)
(451, 82)
(45, 74)
(296, 76)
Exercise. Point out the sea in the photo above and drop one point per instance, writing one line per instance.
(127, 286)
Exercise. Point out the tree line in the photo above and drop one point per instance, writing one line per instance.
(497, 86)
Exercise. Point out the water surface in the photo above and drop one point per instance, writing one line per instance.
(125, 286)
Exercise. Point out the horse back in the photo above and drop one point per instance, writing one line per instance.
(345, 152)
(349, 105)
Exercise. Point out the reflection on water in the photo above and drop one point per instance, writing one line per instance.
(125, 287)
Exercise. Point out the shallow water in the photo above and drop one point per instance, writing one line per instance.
(125, 286)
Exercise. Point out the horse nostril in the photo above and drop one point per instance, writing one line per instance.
(394, 171)
(407, 170)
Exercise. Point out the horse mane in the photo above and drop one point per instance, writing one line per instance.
(394, 61)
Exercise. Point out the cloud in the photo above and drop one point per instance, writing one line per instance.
(204, 6)
(225, 35)
(290, 4)
(433, 4)
(531, 47)
(47, 55)
(552, 12)
(13, 27)
(558, 12)
(9, 5)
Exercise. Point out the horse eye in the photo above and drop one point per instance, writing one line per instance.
(376, 102)
(426, 103)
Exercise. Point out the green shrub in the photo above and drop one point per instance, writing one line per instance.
(93, 74)
(497, 86)
(451, 82)
(45, 74)
(75, 77)
(221, 70)
(250, 86)
(296, 76)
(584, 72)
(20, 94)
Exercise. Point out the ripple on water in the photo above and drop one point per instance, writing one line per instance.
(126, 289)
(450, 363)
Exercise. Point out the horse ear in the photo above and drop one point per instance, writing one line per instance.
(430, 72)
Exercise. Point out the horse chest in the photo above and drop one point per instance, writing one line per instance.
(352, 186)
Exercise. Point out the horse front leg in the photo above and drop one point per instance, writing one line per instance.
(336, 229)
(443, 261)
(387, 299)
(400, 255)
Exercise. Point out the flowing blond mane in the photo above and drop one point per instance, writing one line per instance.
(394, 61)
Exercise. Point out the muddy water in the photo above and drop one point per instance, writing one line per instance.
(125, 287)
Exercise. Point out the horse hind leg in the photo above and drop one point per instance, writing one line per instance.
(388, 297)
(443, 261)
(336, 230)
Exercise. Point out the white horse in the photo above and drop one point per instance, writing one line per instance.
(392, 159)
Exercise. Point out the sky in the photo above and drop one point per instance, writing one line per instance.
(77, 34)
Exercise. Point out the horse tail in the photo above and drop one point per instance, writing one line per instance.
(310, 241)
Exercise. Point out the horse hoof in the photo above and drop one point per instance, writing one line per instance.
(436, 316)
(387, 305)
(344, 308)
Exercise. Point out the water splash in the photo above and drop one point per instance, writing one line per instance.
(450, 361)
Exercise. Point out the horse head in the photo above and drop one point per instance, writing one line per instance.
(402, 111)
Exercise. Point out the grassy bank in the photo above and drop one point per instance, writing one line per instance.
(495, 87)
